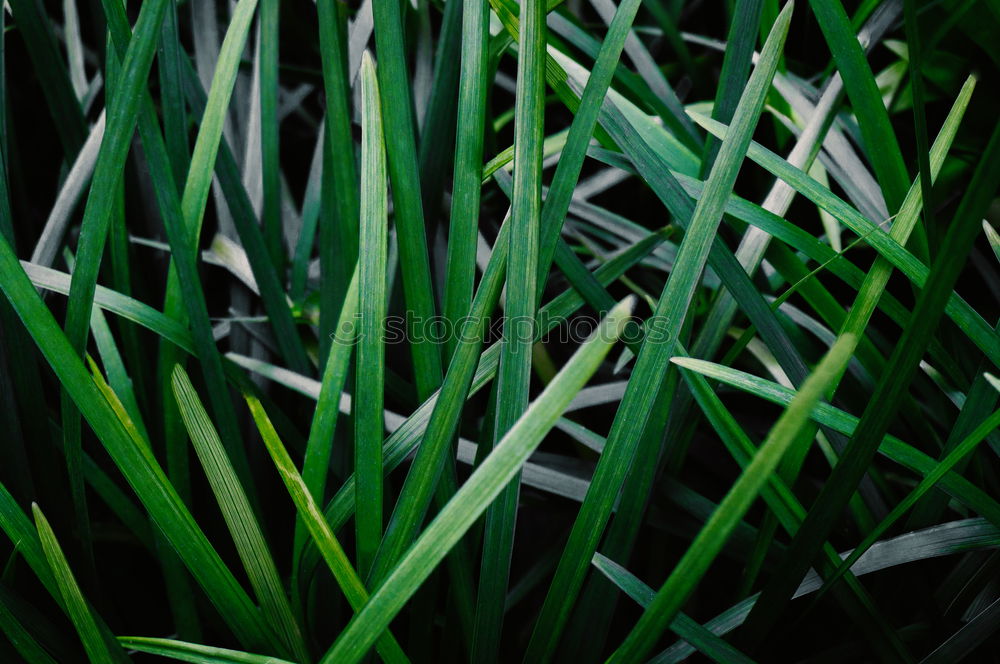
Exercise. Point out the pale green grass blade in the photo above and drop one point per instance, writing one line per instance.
(87, 629)
(322, 534)
(476, 494)
(239, 516)
(368, 420)
(194, 652)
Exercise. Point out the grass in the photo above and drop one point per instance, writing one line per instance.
(499, 331)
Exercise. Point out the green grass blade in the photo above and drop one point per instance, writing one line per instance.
(269, 125)
(239, 516)
(514, 373)
(460, 271)
(338, 234)
(406, 195)
(194, 652)
(19, 636)
(322, 534)
(688, 629)
(889, 392)
(87, 629)
(652, 362)
(873, 119)
(477, 493)
(702, 551)
(145, 477)
(368, 419)
(963, 449)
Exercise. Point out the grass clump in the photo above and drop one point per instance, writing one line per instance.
(487, 331)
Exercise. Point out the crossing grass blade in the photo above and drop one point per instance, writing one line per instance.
(685, 627)
(702, 551)
(477, 493)
(322, 534)
(145, 477)
(668, 320)
(888, 394)
(240, 518)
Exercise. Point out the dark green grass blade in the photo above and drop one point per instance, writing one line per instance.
(19, 636)
(735, 69)
(702, 551)
(269, 145)
(477, 493)
(145, 477)
(888, 394)
(44, 53)
(406, 195)
(514, 374)
(368, 418)
(880, 141)
(101, 202)
(685, 627)
(652, 362)
(437, 136)
(963, 449)
(460, 271)
(338, 232)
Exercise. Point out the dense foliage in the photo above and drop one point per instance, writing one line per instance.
(486, 331)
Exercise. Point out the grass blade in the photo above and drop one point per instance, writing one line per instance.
(652, 362)
(368, 422)
(702, 551)
(240, 518)
(477, 493)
